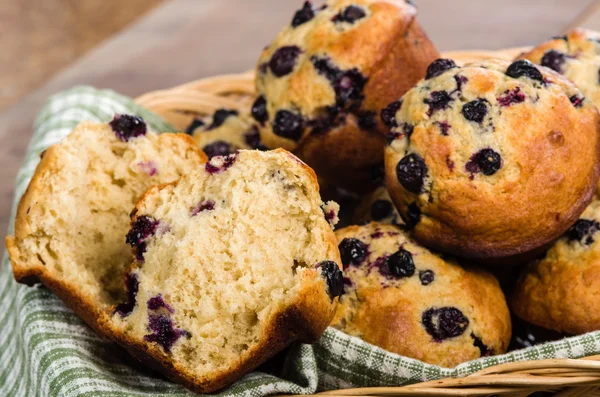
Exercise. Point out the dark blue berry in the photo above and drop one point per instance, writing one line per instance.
(524, 68)
(218, 148)
(583, 231)
(196, 123)
(335, 279)
(438, 100)
(401, 264)
(288, 125)
(438, 67)
(219, 164)
(131, 289)
(510, 97)
(486, 161)
(388, 115)
(460, 81)
(283, 60)
(426, 277)
(126, 126)
(163, 331)
(347, 84)
(381, 209)
(352, 251)
(554, 60)
(207, 205)
(444, 322)
(303, 15)
(577, 100)
(157, 302)
(219, 118)
(252, 139)
(142, 228)
(411, 172)
(259, 110)
(349, 14)
(412, 216)
(475, 110)
(483, 349)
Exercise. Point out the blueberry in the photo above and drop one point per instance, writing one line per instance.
(381, 209)
(303, 15)
(252, 139)
(259, 110)
(401, 264)
(444, 127)
(388, 115)
(283, 60)
(288, 125)
(131, 289)
(426, 277)
(353, 252)
(554, 60)
(583, 231)
(438, 67)
(460, 81)
(157, 302)
(486, 161)
(143, 227)
(411, 172)
(510, 97)
(196, 123)
(335, 279)
(219, 118)
(347, 84)
(350, 14)
(412, 216)
(438, 100)
(577, 100)
(219, 164)
(126, 126)
(475, 110)
(207, 205)
(483, 349)
(163, 331)
(444, 322)
(218, 148)
(524, 68)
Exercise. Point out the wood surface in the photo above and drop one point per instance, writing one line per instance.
(182, 40)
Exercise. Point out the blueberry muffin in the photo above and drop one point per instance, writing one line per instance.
(407, 300)
(560, 291)
(234, 261)
(71, 222)
(576, 56)
(377, 206)
(492, 160)
(225, 132)
(322, 82)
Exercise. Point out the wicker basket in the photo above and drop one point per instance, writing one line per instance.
(564, 377)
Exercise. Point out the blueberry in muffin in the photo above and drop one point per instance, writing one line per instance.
(492, 160)
(402, 297)
(322, 82)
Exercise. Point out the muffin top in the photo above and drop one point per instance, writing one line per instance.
(559, 292)
(576, 56)
(460, 314)
(512, 137)
(225, 132)
(320, 66)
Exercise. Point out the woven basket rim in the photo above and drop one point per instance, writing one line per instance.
(575, 377)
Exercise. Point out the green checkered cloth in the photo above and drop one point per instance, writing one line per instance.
(46, 350)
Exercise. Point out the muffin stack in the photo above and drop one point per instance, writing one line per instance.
(462, 176)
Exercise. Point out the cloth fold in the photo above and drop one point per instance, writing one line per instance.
(48, 351)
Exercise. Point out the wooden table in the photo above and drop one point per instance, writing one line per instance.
(183, 40)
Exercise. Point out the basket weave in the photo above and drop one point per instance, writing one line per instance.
(564, 377)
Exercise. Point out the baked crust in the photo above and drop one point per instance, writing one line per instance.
(390, 51)
(559, 291)
(549, 151)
